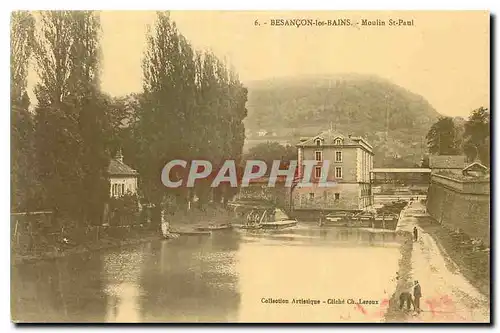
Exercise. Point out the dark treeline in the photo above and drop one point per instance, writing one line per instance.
(192, 107)
(470, 137)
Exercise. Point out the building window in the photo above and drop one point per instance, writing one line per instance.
(319, 156)
(338, 172)
(311, 196)
(317, 172)
(338, 156)
(117, 190)
(318, 142)
(337, 141)
(337, 196)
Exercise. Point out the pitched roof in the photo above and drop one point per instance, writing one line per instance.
(447, 162)
(117, 167)
(476, 166)
(329, 137)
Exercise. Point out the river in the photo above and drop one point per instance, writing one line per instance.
(230, 276)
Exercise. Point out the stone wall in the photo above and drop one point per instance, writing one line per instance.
(461, 205)
(323, 198)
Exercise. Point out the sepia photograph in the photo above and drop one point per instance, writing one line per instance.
(250, 167)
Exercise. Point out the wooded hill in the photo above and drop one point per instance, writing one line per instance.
(393, 119)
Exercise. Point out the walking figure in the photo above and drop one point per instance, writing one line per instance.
(417, 294)
(405, 297)
(415, 234)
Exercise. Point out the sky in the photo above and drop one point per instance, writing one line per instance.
(444, 56)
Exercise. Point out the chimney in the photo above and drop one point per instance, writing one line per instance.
(119, 156)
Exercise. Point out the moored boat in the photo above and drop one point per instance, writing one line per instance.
(336, 219)
(279, 224)
(192, 232)
(215, 227)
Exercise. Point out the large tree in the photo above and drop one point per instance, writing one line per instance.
(21, 45)
(442, 138)
(23, 182)
(70, 116)
(192, 108)
(164, 116)
(477, 135)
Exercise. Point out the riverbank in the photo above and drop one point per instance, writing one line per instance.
(447, 295)
(393, 313)
(52, 251)
(473, 262)
(40, 246)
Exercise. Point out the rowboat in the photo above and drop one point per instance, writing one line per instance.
(218, 227)
(174, 233)
(192, 232)
(279, 224)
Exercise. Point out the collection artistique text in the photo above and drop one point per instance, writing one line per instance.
(330, 301)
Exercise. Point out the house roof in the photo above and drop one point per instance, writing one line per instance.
(447, 162)
(329, 138)
(476, 166)
(117, 167)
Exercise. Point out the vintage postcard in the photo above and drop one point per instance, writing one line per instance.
(250, 167)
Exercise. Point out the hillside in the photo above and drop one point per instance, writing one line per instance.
(393, 119)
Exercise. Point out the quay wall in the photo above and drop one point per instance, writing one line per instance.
(460, 204)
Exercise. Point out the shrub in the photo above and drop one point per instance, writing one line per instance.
(123, 210)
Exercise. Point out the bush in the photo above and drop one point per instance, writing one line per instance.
(124, 210)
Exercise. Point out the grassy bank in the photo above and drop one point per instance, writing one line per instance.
(472, 261)
(394, 314)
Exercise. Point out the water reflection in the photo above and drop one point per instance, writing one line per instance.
(195, 282)
(220, 278)
(54, 290)
(121, 273)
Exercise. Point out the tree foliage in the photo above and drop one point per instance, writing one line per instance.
(442, 138)
(477, 135)
(71, 121)
(192, 108)
(21, 45)
(22, 146)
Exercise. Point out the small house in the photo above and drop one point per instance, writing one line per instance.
(475, 169)
(122, 178)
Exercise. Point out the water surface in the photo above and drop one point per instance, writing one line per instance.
(227, 277)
